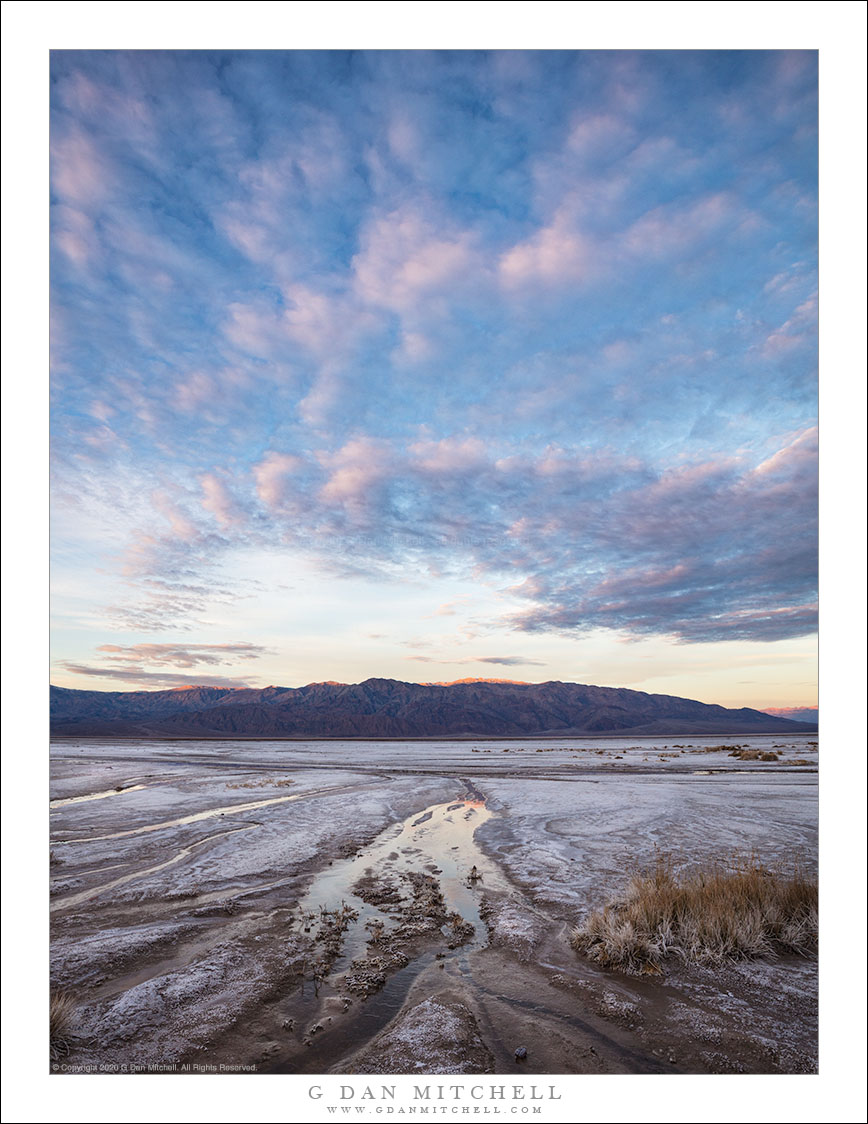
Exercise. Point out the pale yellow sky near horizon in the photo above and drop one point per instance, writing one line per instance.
(428, 629)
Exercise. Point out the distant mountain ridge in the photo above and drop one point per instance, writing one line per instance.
(794, 713)
(388, 708)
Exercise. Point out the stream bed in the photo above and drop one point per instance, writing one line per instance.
(387, 923)
(407, 907)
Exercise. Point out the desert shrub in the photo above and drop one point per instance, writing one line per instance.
(62, 1007)
(710, 914)
(755, 754)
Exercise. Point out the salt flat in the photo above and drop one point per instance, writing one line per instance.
(325, 906)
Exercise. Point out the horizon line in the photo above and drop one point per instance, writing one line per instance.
(424, 683)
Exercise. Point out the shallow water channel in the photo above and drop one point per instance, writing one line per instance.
(437, 842)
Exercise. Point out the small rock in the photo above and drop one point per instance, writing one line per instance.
(521, 1054)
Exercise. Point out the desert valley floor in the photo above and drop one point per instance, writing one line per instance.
(405, 907)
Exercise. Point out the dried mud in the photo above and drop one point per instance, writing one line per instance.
(388, 919)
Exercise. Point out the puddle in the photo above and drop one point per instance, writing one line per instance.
(438, 839)
(441, 837)
(364, 1021)
(61, 803)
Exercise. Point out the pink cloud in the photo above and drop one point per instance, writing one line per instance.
(356, 473)
(406, 258)
(181, 526)
(797, 331)
(272, 476)
(328, 324)
(555, 254)
(253, 239)
(195, 392)
(255, 328)
(799, 454)
(670, 230)
(183, 655)
(220, 502)
(75, 235)
(451, 454)
(601, 132)
(413, 348)
(80, 173)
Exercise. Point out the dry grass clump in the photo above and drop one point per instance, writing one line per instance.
(755, 754)
(62, 1008)
(719, 912)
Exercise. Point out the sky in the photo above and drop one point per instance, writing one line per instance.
(433, 366)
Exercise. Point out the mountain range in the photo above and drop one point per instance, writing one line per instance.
(796, 713)
(388, 708)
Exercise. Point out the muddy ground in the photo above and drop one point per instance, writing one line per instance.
(406, 907)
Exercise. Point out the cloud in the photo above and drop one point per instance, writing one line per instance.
(555, 255)
(357, 480)
(678, 230)
(719, 549)
(154, 679)
(156, 612)
(458, 455)
(541, 320)
(272, 477)
(220, 501)
(569, 251)
(173, 593)
(407, 257)
(144, 663)
(81, 172)
(710, 552)
(798, 331)
(182, 655)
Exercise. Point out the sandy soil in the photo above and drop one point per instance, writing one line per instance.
(405, 907)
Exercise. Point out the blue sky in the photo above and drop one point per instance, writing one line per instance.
(435, 365)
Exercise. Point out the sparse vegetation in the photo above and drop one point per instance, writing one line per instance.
(62, 1008)
(755, 754)
(462, 930)
(718, 912)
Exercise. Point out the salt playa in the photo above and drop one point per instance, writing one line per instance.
(408, 907)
